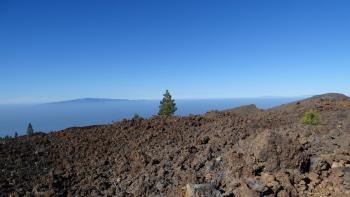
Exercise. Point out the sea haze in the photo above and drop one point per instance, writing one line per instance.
(82, 112)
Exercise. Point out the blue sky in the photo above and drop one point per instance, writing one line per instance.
(56, 50)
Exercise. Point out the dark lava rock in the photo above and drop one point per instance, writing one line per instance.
(273, 152)
(201, 190)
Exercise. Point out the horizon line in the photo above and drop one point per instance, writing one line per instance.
(144, 99)
(49, 101)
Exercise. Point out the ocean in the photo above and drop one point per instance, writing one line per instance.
(58, 116)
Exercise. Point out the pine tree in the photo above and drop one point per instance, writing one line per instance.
(16, 135)
(30, 130)
(167, 106)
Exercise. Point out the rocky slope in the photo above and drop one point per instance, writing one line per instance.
(239, 152)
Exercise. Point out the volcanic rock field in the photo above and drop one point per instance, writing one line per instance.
(242, 152)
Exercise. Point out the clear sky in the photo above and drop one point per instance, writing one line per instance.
(56, 50)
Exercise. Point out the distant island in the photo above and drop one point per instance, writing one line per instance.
(87, 100)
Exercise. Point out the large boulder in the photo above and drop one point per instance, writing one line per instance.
(202, 190)
(272, 151)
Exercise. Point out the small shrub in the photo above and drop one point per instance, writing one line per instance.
(136, 117)
(310, 118)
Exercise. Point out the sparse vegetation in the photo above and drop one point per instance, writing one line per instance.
(7, 137)
(30, 130)
(136, 116)
(167, 105)
(311, 117)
